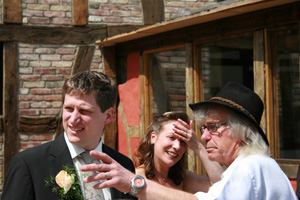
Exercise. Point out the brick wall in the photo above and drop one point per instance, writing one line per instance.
(43, 67)
(174, 9)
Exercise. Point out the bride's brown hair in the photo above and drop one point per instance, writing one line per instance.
(144, 154)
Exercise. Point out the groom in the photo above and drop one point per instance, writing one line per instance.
(88, 103)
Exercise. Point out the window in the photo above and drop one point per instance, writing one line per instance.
(286, 92)
(166, 74)
(228, 60)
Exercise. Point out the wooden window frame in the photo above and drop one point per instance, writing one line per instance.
(289, 166)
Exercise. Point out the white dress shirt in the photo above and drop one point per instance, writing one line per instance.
(255, 177)
(75, 151)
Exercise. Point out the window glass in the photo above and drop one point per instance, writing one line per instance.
(225, 61)
(168, 81)
(285, 47)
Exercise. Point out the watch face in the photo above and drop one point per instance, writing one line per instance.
(138, 181)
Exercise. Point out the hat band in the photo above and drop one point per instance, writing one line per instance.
(241, 108)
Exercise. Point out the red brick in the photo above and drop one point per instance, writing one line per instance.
(39, 20)
(99, 12)
(57, 91)
(27, 145)
(53, 97)
(63, 71)
(110, 7)
(54, 14)
(65, 21)
(31, 112)
(50, 112)
(45, 50)
(67, 57)
(41, 138)
(30, 78)
(52, 78)
(112, 19)
(31, 98)
(50, 57)
(24, 105)
(44, 71)
(40, 91)
(65, 51)
(26, 50)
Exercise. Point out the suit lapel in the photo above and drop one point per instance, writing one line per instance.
(59, 154)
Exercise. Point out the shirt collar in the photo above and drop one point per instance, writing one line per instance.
(75, 150)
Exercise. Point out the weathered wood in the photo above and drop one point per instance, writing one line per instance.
(10, 95)
(269, 97)
(83, 59)
(290, 167)
(189, 88)
(80, 12)
(225, 27)
(12, 11)
(154, 11)
(37, 124)
(259, 71)
(111, 129)
(52, 35)
(116, 30)
(141, 97)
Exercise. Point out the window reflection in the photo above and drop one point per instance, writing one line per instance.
(286, 62)
(168, 85)
(225, 61)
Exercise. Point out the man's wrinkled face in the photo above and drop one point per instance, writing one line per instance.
(220, 145)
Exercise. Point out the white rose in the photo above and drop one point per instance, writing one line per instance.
(64, 180)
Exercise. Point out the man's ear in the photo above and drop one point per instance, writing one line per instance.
(109, 115)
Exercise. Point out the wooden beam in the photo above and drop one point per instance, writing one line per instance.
(83, 59)
(189, 87)
(12, 11)
(51, 35)
(116, 30)
(223, 27)
(259, 71)
(154, 11)
(111, 129)
(80, 12)
(37, 124)
(10, 95)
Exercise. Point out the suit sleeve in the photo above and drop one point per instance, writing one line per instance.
(18, 183)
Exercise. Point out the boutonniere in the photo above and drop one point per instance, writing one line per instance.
(66, 184)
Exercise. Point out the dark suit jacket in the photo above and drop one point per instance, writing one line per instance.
(29, 169)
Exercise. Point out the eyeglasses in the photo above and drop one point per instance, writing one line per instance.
(211, 127)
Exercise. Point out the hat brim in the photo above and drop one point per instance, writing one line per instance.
(196, 106)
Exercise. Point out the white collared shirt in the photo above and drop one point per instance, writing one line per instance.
(255, 177)
(75, 151)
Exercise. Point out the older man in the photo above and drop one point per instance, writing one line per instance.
(229, 124)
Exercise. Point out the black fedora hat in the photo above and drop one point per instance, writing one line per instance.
(241, 99)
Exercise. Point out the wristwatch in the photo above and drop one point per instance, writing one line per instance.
(137, 183)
